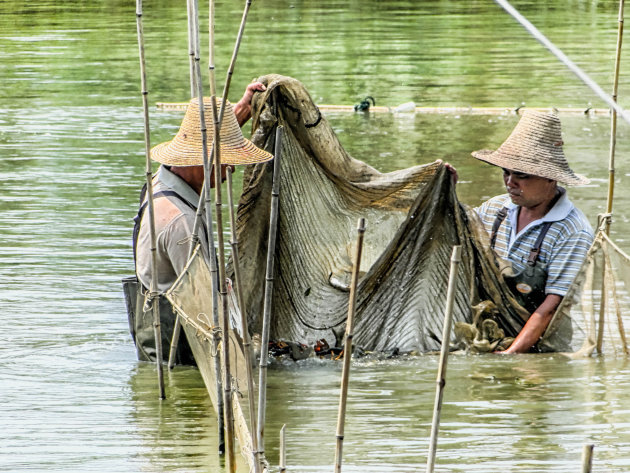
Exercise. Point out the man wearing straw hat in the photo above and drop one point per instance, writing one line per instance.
(535, 227)
(178, 183)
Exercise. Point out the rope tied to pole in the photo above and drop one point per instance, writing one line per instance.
(148, 300)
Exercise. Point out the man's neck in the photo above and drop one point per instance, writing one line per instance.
(527, 215)
(192, 175)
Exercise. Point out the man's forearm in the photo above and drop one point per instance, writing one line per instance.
(535, 326)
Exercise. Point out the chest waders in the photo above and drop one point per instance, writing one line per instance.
(528, 285)
(141, 322)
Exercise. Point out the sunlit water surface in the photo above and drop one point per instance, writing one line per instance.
(71, 135)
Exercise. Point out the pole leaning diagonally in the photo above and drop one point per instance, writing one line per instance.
(347, 347)
(446, 336)
(152, 300)
(590, 83)
(271, 250)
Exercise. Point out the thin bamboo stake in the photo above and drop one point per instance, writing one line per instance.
(194, 239)
(446, 335)
(152, 300)
(247, 343)
(218, 119)
(347, 347)
(611, 166)
(228, 78)
(193, 41)
(283, 450)
(204, 204)
(214, 270)
(587, 458)
(613, 116)
(601, 321)
(227, 382)
(191, 48)
(271, 249)
(228, 415)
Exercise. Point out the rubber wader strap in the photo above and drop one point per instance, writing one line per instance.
(138, 218)
(501, 214)
(535, 251)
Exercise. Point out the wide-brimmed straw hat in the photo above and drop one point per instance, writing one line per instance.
(186, 149)
(534, 147)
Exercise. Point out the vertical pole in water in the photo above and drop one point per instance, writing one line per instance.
(611, 169)
(446, 335)
(247, 343)
(191, 48)
(283, 450)
(154, 301)
(271, 249)
(587, 458)
(613, 116)
(347, 348)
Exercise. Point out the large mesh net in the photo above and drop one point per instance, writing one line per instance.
(595, 313)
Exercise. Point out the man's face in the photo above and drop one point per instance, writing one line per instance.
(527, 190)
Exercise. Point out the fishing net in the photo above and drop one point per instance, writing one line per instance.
(594, 313)
(413, 222)
(191, 298)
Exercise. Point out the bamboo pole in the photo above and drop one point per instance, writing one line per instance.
(237, 45)
(228, 415)
(247, 343)
(218, 118)
(271, 248)
(214, 270)
(613, 116)
(587, 458)
(191, 48)
(204, 198)
(152, 300)
(283, 450)
(224, 408)
(611, 168)
(347, 347)
(194, 239)
(446, 335)
(465, 110)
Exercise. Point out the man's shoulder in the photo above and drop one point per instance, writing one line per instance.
(574, 229)
(577, 222)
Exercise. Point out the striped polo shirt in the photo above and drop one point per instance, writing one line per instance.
(563, 250)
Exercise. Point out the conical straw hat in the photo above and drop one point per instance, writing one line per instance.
(186, 149)
(534, 147)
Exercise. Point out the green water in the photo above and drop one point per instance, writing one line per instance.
(71, 163)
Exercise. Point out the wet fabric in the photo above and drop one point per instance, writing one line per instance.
(413, 221)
